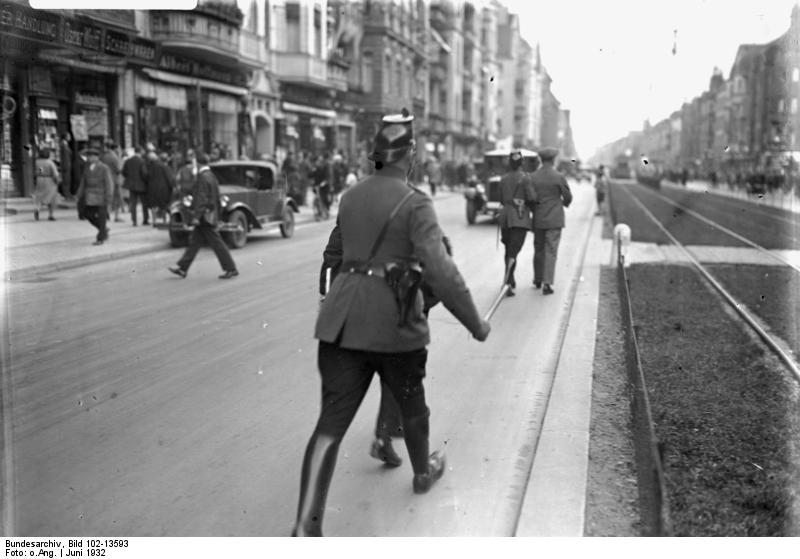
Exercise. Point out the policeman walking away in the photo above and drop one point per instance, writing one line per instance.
(553, 195)
(517, 196)
(372, 319)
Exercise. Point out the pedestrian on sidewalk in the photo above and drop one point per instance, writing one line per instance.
(134, 171)
(205, 209)
(47, 178)
(112, 161)
(600, 188)
(517, 197)
(372, 321)
(66, 166)
(553, 196)
(160, 184)
(95, 192)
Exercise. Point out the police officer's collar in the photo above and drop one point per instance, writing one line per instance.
(391, 171)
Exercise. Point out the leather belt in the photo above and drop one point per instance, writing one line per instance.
(358, 268)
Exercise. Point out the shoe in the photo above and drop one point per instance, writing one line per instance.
(510, 292)
(105, 236)
(118, 220)
(145, 223)
(537, 284)
(229, 274)
(97, 242)
(178, 271)
(36, 215)
(51, 218)
(423, 482)
(547, 290)
(134, 224)
(383, 451)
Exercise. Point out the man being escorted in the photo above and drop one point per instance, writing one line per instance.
(372, 319)
(96, 192)
(553, 195)
(205, 208)
(517, 196)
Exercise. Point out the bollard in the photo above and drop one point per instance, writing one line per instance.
(621, 244)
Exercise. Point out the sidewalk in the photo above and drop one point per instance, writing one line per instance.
(786, 201)
(40, 247)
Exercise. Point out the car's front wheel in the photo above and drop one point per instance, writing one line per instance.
(237, 238)
(287, 222)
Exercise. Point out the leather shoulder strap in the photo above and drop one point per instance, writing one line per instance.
(382, 234)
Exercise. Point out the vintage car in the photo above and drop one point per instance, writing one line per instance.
(252, 196)
(483, 194)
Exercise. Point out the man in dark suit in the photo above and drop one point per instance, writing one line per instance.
(134, 171)
(96, 191)
(372, 319)
(205, 208)
(517, 196)
(553, 195)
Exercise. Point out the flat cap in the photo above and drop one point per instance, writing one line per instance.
(92, 151)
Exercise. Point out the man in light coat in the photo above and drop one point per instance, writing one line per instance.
(96, 192)
(553, 195)
(361, 325)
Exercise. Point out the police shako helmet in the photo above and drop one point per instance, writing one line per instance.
(394, 139)
(515, 159)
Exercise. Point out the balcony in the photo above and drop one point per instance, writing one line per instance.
(196, 33)
(300, 67)
(337, 76)
(253, 47)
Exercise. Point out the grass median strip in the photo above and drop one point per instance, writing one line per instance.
(724, 409)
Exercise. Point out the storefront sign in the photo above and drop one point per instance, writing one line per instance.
(90, 100)
(78, 125)
(39, 80)
(46, 27)
(21, 20)
(181, 65)
(83, 35)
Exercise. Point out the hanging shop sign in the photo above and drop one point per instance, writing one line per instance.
(78, 125)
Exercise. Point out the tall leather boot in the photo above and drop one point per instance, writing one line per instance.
(318, 465)
(427, 468)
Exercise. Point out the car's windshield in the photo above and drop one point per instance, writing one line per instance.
(240, 175)
(498, 164)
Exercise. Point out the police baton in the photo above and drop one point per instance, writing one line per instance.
(502, 294)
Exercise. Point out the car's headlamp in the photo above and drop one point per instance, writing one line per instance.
(223, 201)
(187, 200)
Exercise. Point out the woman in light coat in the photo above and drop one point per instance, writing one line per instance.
(47, 179)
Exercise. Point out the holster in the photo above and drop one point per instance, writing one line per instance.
(404, 281)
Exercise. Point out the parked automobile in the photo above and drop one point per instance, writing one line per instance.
(253, 195)
(483, 194)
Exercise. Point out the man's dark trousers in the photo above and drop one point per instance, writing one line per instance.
(97, 216)
(135, 198)
(513, 238)
(346, 376)
(208, 233)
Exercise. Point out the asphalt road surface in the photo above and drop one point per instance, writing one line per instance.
(148, 405)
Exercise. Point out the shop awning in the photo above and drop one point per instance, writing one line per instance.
(179, 79)
(295, 108)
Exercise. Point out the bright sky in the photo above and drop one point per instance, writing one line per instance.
(611, 60)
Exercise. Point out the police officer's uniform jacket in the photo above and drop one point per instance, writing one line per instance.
(553, 195)
(360, 311)
(516, 184)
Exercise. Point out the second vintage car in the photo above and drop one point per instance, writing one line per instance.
(483, 197)
(252, 196)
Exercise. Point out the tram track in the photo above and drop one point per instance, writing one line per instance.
(772, 342)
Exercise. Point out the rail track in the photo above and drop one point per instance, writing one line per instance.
(774, 344)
